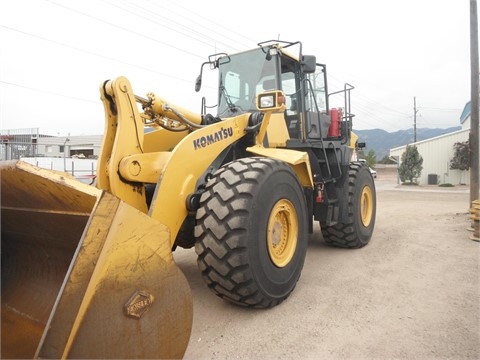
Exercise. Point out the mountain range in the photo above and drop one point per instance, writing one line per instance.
(382, 141)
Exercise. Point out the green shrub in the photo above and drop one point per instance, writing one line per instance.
(411, 165)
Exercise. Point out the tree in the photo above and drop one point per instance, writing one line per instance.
(371, 158)
(461, 157)
(411, 165)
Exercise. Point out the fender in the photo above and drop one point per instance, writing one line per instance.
(298, 160)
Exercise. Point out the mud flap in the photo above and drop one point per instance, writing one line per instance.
(84, 275)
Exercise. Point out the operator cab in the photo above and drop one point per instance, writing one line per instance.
(244, 75)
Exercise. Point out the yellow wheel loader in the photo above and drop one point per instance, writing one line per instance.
(88, 272)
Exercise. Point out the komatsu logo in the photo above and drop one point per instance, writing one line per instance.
(204, 141)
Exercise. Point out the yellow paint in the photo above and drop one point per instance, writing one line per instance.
(282, 233)
(187, 162)
(353, 140)
(123, 137)
(82, 256)
(298, 160)
(366, 206)
(277, 131)
(144, 167)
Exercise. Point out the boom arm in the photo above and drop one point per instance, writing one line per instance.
(120, 169)
(128, 161)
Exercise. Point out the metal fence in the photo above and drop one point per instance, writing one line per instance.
(18, 143)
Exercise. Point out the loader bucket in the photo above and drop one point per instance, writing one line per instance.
(84, 275)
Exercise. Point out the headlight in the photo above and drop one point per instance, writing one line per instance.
(267, 101)
(271, 100)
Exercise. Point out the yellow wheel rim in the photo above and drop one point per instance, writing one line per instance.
(282, 233)
(366, 206)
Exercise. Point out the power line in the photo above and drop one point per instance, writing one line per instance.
(439, 109)
(47, 92)
(103, 21)
(380, 115)
(161, 20)
(203, 24)
(94, 54)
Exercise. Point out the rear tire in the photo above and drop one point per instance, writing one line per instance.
(252, 232)
(357, 231)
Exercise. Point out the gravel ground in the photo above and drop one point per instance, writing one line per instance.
(412, 293)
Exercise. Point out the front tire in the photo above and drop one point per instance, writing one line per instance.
(252, 232)
(358, 229)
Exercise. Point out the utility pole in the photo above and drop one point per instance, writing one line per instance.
(474, 145)
(415, 119)
(474, 122)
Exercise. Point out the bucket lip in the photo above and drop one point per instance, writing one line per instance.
(53, 175)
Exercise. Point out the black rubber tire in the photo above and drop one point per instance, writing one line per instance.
(355, 233)
(231, 232)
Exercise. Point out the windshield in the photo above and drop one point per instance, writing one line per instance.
(244, 76)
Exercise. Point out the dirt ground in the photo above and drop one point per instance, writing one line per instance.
(412, 293)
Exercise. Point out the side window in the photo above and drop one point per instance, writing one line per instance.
(289, 89)
(318, 96)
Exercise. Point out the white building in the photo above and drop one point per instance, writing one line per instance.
(67, 146)
(437, 153)
(76, 155)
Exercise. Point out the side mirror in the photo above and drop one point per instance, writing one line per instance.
(198, 83)
(308, 64)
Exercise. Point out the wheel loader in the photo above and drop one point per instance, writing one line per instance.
(89, 272)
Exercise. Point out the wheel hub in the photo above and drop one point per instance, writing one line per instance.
(282, 233)
(366, 206)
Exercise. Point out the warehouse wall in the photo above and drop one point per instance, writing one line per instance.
(437, 153)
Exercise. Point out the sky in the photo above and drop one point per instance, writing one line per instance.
(54, 55)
